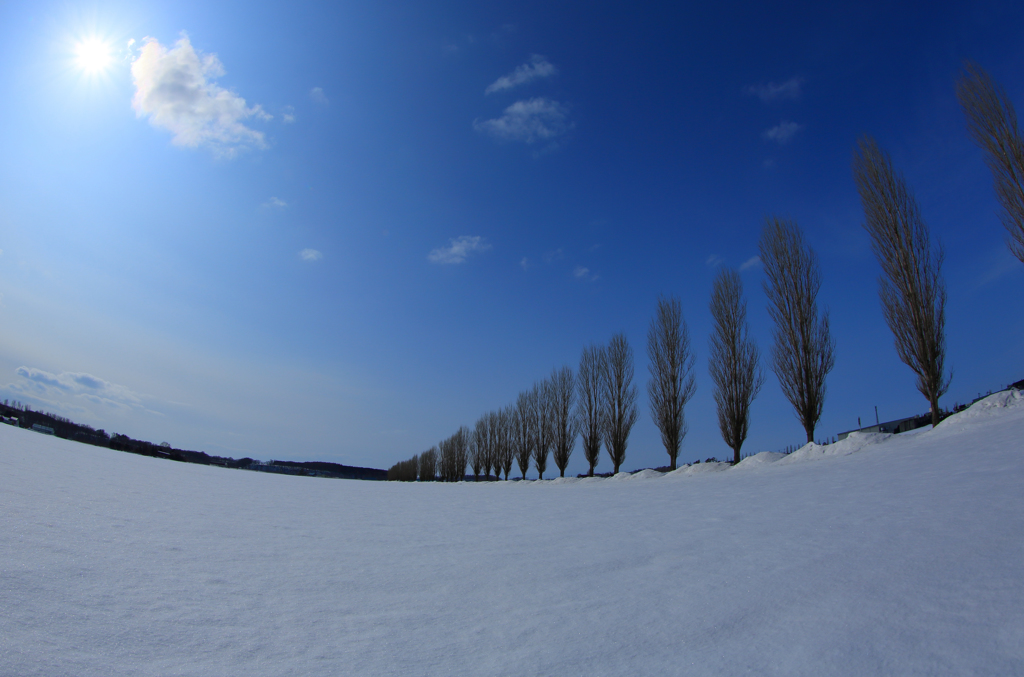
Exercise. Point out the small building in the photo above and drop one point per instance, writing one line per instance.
(44, 429)
(900, 425)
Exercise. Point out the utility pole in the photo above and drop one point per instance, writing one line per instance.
(876, 415)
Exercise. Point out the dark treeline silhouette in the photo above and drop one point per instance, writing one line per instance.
(66, 429)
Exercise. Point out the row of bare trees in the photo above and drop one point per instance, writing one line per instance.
(544, 422)
(598, 403)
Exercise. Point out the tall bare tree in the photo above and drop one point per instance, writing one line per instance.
(590, 403)
(446, 460)
(565, 425)
(911, 287)
(734, 362)
(672, 382)
(619, 404)
(490, 432)
(505, 452)
(803, 352)
(543, 429)
(992, 124)
(522, 429)
(478, 447)
(428, 465)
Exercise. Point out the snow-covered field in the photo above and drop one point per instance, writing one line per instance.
(879, 555)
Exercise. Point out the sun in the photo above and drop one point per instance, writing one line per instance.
(93, 55)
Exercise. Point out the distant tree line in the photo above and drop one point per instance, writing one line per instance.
(64, 428)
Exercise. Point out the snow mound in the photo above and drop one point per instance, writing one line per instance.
(620, 476)
(698, 469)
(647, 474)
(993, 405)
(851, 445)
(761, 459)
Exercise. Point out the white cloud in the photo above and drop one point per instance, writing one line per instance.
(525, 263)
(752, 262)
(529, 121)
(318, 96)
(782, 132)
(583, 273)
(85, 386)
(310, 255)
(288, 115)
(461, 247)
(175, 88)
(713, 260)
(771, 92)
(553, 255)
(274, 203)
(537, 67)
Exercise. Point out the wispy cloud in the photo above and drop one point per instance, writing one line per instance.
(288, 115)
(77, 384)
(310, 255)
(583, 273)
(782, 132)
(528, 121)
(175, 89)
(771, 92)
(553, 255)
(536, 67)
(713, 260)
(525, 264)
(274, 203)
(318, 96)
(752, 262)
(461, 247)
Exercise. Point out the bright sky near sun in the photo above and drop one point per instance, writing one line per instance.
(340, 232)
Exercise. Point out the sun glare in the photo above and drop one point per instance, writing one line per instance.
(93, 55)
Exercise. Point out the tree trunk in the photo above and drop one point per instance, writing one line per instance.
(935, 411)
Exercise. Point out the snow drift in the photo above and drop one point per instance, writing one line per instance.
(877, 555)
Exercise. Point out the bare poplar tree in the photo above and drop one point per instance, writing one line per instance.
(428, 465)
(486, 450)
(565, 425)
(478, 447)
(619, 398)
(734, 360)
(590, 403)
(505, 452)
(803, 352)
(672, 382)
(543, 429)
(911, 287)
(992, 124)
(522, 429)
(461, 452)
(446, 463)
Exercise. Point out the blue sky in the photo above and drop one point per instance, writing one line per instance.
(363, 225)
